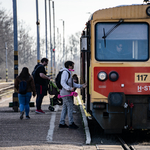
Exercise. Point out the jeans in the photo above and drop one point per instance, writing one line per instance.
(24, 100)
(67, 108)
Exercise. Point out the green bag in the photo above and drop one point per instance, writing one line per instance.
(52, 89)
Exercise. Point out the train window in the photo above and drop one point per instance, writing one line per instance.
(126, 42)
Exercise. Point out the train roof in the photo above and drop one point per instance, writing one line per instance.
(121, 11)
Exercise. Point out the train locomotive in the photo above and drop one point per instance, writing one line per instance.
(115, 63)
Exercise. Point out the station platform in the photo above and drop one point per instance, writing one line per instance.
(41, 131)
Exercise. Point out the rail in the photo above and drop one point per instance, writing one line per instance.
(3, 90)
(124, 145)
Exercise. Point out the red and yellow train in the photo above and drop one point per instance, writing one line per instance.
(115, 63)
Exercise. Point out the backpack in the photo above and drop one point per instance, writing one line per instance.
(58, 79)
(23, 87)
(34, 72)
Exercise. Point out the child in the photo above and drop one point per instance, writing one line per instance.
(75, 79)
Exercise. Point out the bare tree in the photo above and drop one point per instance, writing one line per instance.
(74, 41)
(26, 45)
(6, 35)
(72, 51)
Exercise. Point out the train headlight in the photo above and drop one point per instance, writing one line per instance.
(102, 76)
(148, 11)
(113, 76)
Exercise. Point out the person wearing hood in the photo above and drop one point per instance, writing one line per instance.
(68, 86)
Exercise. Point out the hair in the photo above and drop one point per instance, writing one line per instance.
(24, 75)
(68, 63)
(44, 60)
(75, 77)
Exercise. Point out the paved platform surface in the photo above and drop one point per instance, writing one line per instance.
(41, 132)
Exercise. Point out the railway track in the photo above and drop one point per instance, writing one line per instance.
(6, 90)
(128, 140)
(122, 145)
(125, 145)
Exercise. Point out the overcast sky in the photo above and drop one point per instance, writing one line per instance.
(75, 13)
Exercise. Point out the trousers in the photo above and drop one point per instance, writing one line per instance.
(24, 100)
(41, 92)
(67, 108)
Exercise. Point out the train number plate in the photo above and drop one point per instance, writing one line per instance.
(142, 77)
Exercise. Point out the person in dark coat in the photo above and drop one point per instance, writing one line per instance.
(24, 99)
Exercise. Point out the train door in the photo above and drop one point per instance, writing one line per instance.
(85, 65)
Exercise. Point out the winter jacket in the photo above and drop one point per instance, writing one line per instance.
(30, 85)
(66, 83)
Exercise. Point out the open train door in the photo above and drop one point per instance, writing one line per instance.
(85, 65)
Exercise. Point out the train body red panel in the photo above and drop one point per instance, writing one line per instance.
(127, 77)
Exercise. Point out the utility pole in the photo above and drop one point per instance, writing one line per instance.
(38, 34)
(6, 62)
(54, 37)
(46, 30)
(63, 40)
(15, 94)
(58, 48)
(60, 60)
(51, 72)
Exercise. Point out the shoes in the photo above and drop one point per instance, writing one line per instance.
(21, 115)
(74, 112)
(40, 111)
(73, 126)
(63, 126)
(27, 117)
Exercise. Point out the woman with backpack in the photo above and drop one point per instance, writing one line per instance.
(24, 84)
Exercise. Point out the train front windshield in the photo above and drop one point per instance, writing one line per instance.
(121, 42)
